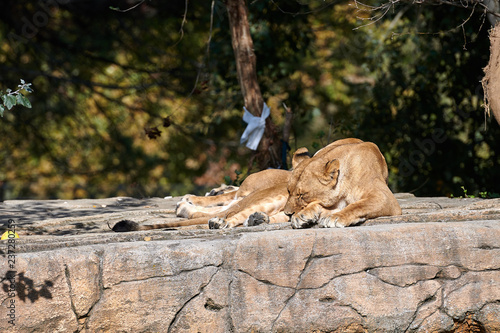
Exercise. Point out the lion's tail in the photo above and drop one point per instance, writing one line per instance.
(127, 225)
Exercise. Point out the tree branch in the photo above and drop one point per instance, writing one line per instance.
(128, 9)
(490, 7)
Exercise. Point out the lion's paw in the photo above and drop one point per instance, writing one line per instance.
(256, 218)
(217, 223)
(183, 208)
(338, 221)
(332, 222)
(304, 220)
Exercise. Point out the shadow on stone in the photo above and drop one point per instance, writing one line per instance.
(25, 287)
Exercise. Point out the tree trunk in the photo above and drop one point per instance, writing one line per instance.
(246, 66)
(491, 80)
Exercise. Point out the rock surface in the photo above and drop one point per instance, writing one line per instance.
(436, 268)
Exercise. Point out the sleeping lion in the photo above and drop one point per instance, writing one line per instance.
(343, 184)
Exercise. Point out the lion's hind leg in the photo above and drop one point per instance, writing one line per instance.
(190, 211)
(267, 203)
(191, 206)
(212, 200)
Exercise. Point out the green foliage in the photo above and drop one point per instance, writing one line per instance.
(12, 98)
(427, 85)
(105, 76)
(482, 195)
(465, 193)
(237, 180)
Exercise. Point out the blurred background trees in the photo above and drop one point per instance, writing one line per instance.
(146, 102)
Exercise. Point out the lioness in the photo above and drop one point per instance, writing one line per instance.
(342, 184)
(262, 191)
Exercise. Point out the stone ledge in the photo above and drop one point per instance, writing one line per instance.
(409, 273)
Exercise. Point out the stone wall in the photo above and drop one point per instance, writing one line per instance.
(389, 275)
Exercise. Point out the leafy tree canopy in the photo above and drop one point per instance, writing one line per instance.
(106, 81)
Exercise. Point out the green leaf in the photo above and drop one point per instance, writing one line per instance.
(9, 101)
(21, 99)
(1, 110)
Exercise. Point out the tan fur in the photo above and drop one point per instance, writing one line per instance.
(249, 203)
(192, 206)
(344, 183)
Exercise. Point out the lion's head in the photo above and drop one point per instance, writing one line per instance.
(312, 182)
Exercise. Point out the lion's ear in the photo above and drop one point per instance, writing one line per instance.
(330, 173)
(300, 155)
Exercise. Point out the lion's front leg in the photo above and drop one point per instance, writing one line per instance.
(352, 214)
(328, 218)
